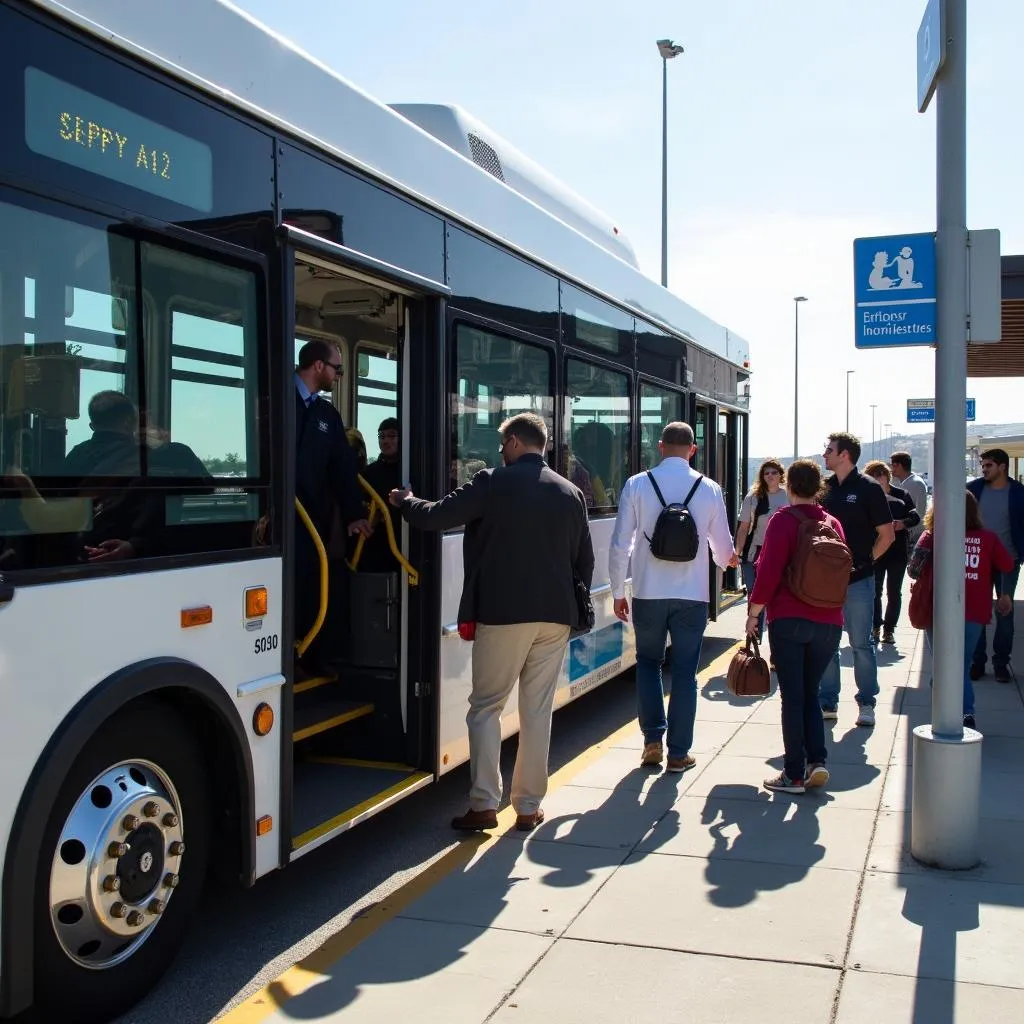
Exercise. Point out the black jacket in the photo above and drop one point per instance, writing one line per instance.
(527, 533)
(326, 470)
(903, 509)
(383, 477)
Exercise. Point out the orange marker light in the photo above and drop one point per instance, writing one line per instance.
(202, 616)
(263, 719)
(256, 602)
(264, 825)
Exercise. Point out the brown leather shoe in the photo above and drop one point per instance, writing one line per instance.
(528, 822)
(476, 821)
(681, 764)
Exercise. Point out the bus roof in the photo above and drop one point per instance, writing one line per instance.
(225, 52)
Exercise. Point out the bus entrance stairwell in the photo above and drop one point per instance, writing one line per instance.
(350, 748)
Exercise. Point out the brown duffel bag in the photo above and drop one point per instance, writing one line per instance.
(749, 675)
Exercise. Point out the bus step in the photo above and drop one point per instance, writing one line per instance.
(313, 683)
(327, 714)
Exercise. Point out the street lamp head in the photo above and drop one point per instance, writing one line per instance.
(668, 49)
(799, 298)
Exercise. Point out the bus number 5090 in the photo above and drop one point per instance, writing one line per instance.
(266, 644)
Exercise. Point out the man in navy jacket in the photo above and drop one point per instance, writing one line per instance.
(1001, 500)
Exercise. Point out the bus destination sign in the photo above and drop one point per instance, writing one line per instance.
(68, 124)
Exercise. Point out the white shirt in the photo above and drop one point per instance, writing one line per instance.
(638, 512)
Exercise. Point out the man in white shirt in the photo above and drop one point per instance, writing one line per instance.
(901, 465)
(669, 598)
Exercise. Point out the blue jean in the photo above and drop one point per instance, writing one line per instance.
(802, 649)
(654, 620)
(972, 630)
(858, 613)
(749, 572)
(1002, 642)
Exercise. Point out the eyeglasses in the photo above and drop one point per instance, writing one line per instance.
(336, 367)
(771, 472)
(829, 450)
(508, 440)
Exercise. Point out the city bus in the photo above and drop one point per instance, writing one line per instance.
(185, 200)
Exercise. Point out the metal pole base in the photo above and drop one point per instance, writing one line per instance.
(946, 797)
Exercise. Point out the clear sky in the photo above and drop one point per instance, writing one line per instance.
(793, 129)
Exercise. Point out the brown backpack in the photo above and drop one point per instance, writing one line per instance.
(819, 573)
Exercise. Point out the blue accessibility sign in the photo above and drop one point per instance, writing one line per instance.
(895, 291)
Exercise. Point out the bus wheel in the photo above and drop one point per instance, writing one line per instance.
(122, 865)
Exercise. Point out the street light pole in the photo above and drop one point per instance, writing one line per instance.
(668, 50)
(848, 375)
(873, 408)
(796, 374)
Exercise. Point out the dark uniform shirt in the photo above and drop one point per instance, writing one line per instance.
(859, 503)
(383, 477)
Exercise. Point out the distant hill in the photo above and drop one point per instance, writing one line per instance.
(918, 445)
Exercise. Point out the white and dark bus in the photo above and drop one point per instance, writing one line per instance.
(185, 199)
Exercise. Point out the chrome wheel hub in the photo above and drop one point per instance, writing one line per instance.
(116, 864)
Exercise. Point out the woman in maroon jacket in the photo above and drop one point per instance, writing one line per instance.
(803, 638)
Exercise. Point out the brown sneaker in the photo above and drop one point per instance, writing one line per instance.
(528, 822)
(653, 753)
(476, 821)
(681, 764)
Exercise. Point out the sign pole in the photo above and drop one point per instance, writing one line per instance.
(947, 758)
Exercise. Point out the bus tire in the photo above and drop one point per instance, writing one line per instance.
(122, 866)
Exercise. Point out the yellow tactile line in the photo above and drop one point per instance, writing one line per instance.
(316, 966)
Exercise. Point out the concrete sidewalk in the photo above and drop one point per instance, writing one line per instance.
(703, 898)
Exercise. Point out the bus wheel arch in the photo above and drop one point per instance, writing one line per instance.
(195, 704)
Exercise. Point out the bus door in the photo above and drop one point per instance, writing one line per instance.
(360, 733)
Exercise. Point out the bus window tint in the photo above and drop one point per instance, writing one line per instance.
(376, 394)
(658, 406)
(596, 432)
(495, 378)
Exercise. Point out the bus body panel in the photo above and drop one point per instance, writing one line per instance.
(86, 630)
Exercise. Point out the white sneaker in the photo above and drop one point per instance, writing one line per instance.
(866, 716)
(830, 714)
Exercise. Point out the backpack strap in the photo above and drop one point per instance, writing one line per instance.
(693, 490)
(657, 489)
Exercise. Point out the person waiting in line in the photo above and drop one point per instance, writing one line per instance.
(804, 638)
(764, 499)
(861, 506)
(384, 475)
(916, 486)
(670, 598)
(1001, 500)
(987, 564)
(527, 541)
(892, 566)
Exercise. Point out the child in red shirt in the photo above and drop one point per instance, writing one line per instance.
(983, 553)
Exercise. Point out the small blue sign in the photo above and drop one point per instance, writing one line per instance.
(931, 52)
(894, 291)
(922, 410)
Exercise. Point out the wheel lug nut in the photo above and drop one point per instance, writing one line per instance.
(111, 883)
(156, 906)
(171, 820)
(131, 822)
(118, 910)
(117, 850)
(177, 848)
(151, 810)
(135, 919)
(171, 880)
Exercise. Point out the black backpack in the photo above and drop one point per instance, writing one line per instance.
(675, 533)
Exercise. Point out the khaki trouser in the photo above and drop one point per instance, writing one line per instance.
(531, 652)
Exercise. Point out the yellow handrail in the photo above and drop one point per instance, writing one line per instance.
(378, 505)
(303, 645)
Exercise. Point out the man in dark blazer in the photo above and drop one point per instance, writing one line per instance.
(326, 476)
(527, 537)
